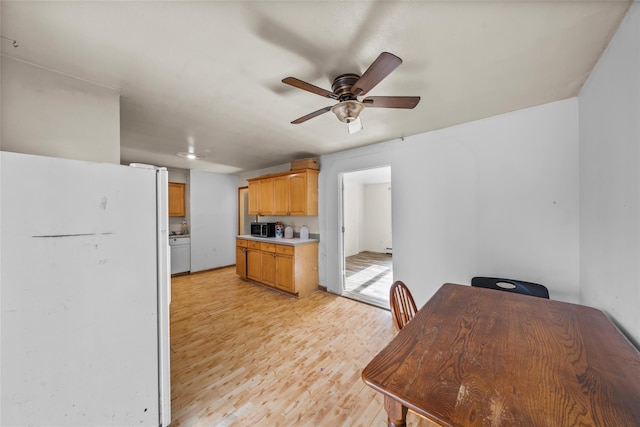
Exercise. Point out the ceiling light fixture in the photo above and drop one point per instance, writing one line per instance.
(354, 126)
(190, 156)
(349, 112)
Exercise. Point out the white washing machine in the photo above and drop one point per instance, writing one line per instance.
(180, 254)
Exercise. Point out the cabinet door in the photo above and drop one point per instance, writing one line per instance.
(298, 194)
(254, 264)
(268, 268)
(254, 197)
(176, 199)
(241, 261)
(266, 196)
(281, 195)
(284, 270)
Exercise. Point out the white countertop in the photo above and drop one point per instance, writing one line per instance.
(282, 241)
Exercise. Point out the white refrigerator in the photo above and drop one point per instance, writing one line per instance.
(84, 293)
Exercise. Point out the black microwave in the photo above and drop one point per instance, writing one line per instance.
(263, 229)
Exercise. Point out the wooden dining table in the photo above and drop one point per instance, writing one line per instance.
(481, 357)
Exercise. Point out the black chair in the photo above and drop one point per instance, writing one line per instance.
(510, 285)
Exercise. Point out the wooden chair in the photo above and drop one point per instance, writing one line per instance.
(403, 307)
(510, 285)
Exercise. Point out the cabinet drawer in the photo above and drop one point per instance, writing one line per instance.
(253, 244)
(267, 247)
(285, 249)
(242, 243)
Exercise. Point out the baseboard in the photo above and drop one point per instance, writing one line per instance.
(184, 273)
(212, 269)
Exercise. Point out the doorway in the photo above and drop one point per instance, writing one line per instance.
(367, 250)
(244, 219)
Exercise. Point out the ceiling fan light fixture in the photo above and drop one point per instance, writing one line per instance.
(348, 111)
(354, 126)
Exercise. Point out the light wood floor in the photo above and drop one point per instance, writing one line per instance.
(368, 277)
(244, 355)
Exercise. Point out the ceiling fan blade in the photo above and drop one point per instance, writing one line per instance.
(381, 68)
(310, 116)
(309, 87)
(407, 102)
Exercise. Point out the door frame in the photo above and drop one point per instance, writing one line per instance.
(341, 220)
(242, 208)
(341, 257)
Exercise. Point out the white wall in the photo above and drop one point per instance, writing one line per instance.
(377, 217)
(50, 114)
(610, 180)
(214, 219)
(497, 196)
(353, 217)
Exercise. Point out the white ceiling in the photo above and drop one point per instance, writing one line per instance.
(207, 75)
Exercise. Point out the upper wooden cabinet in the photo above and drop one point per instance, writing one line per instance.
(254, 197)
(288, 193)
(176, 199)
(281, 195)
(303, 193)
(266, 197)
(261, 201)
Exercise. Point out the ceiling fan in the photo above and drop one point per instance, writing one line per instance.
(346, 88)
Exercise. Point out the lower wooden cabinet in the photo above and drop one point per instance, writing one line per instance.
(269, 266)
(292, 269)
(254, 261)
(285, 273)
(241, 258)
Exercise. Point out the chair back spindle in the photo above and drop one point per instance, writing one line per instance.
(403, 307)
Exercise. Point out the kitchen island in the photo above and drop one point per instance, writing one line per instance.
(288, 265)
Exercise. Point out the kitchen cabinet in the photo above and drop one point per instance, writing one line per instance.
(261, 201)
(269, 264)
(176, 199)
(303, 193)
(254, 197)
(241, 258)
(281, 195)
(254, 261)
(278, 266)
(285, 272)
(266, 197)
(287, 193)
(289, 268)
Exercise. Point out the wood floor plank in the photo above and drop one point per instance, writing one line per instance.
(245, 355)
